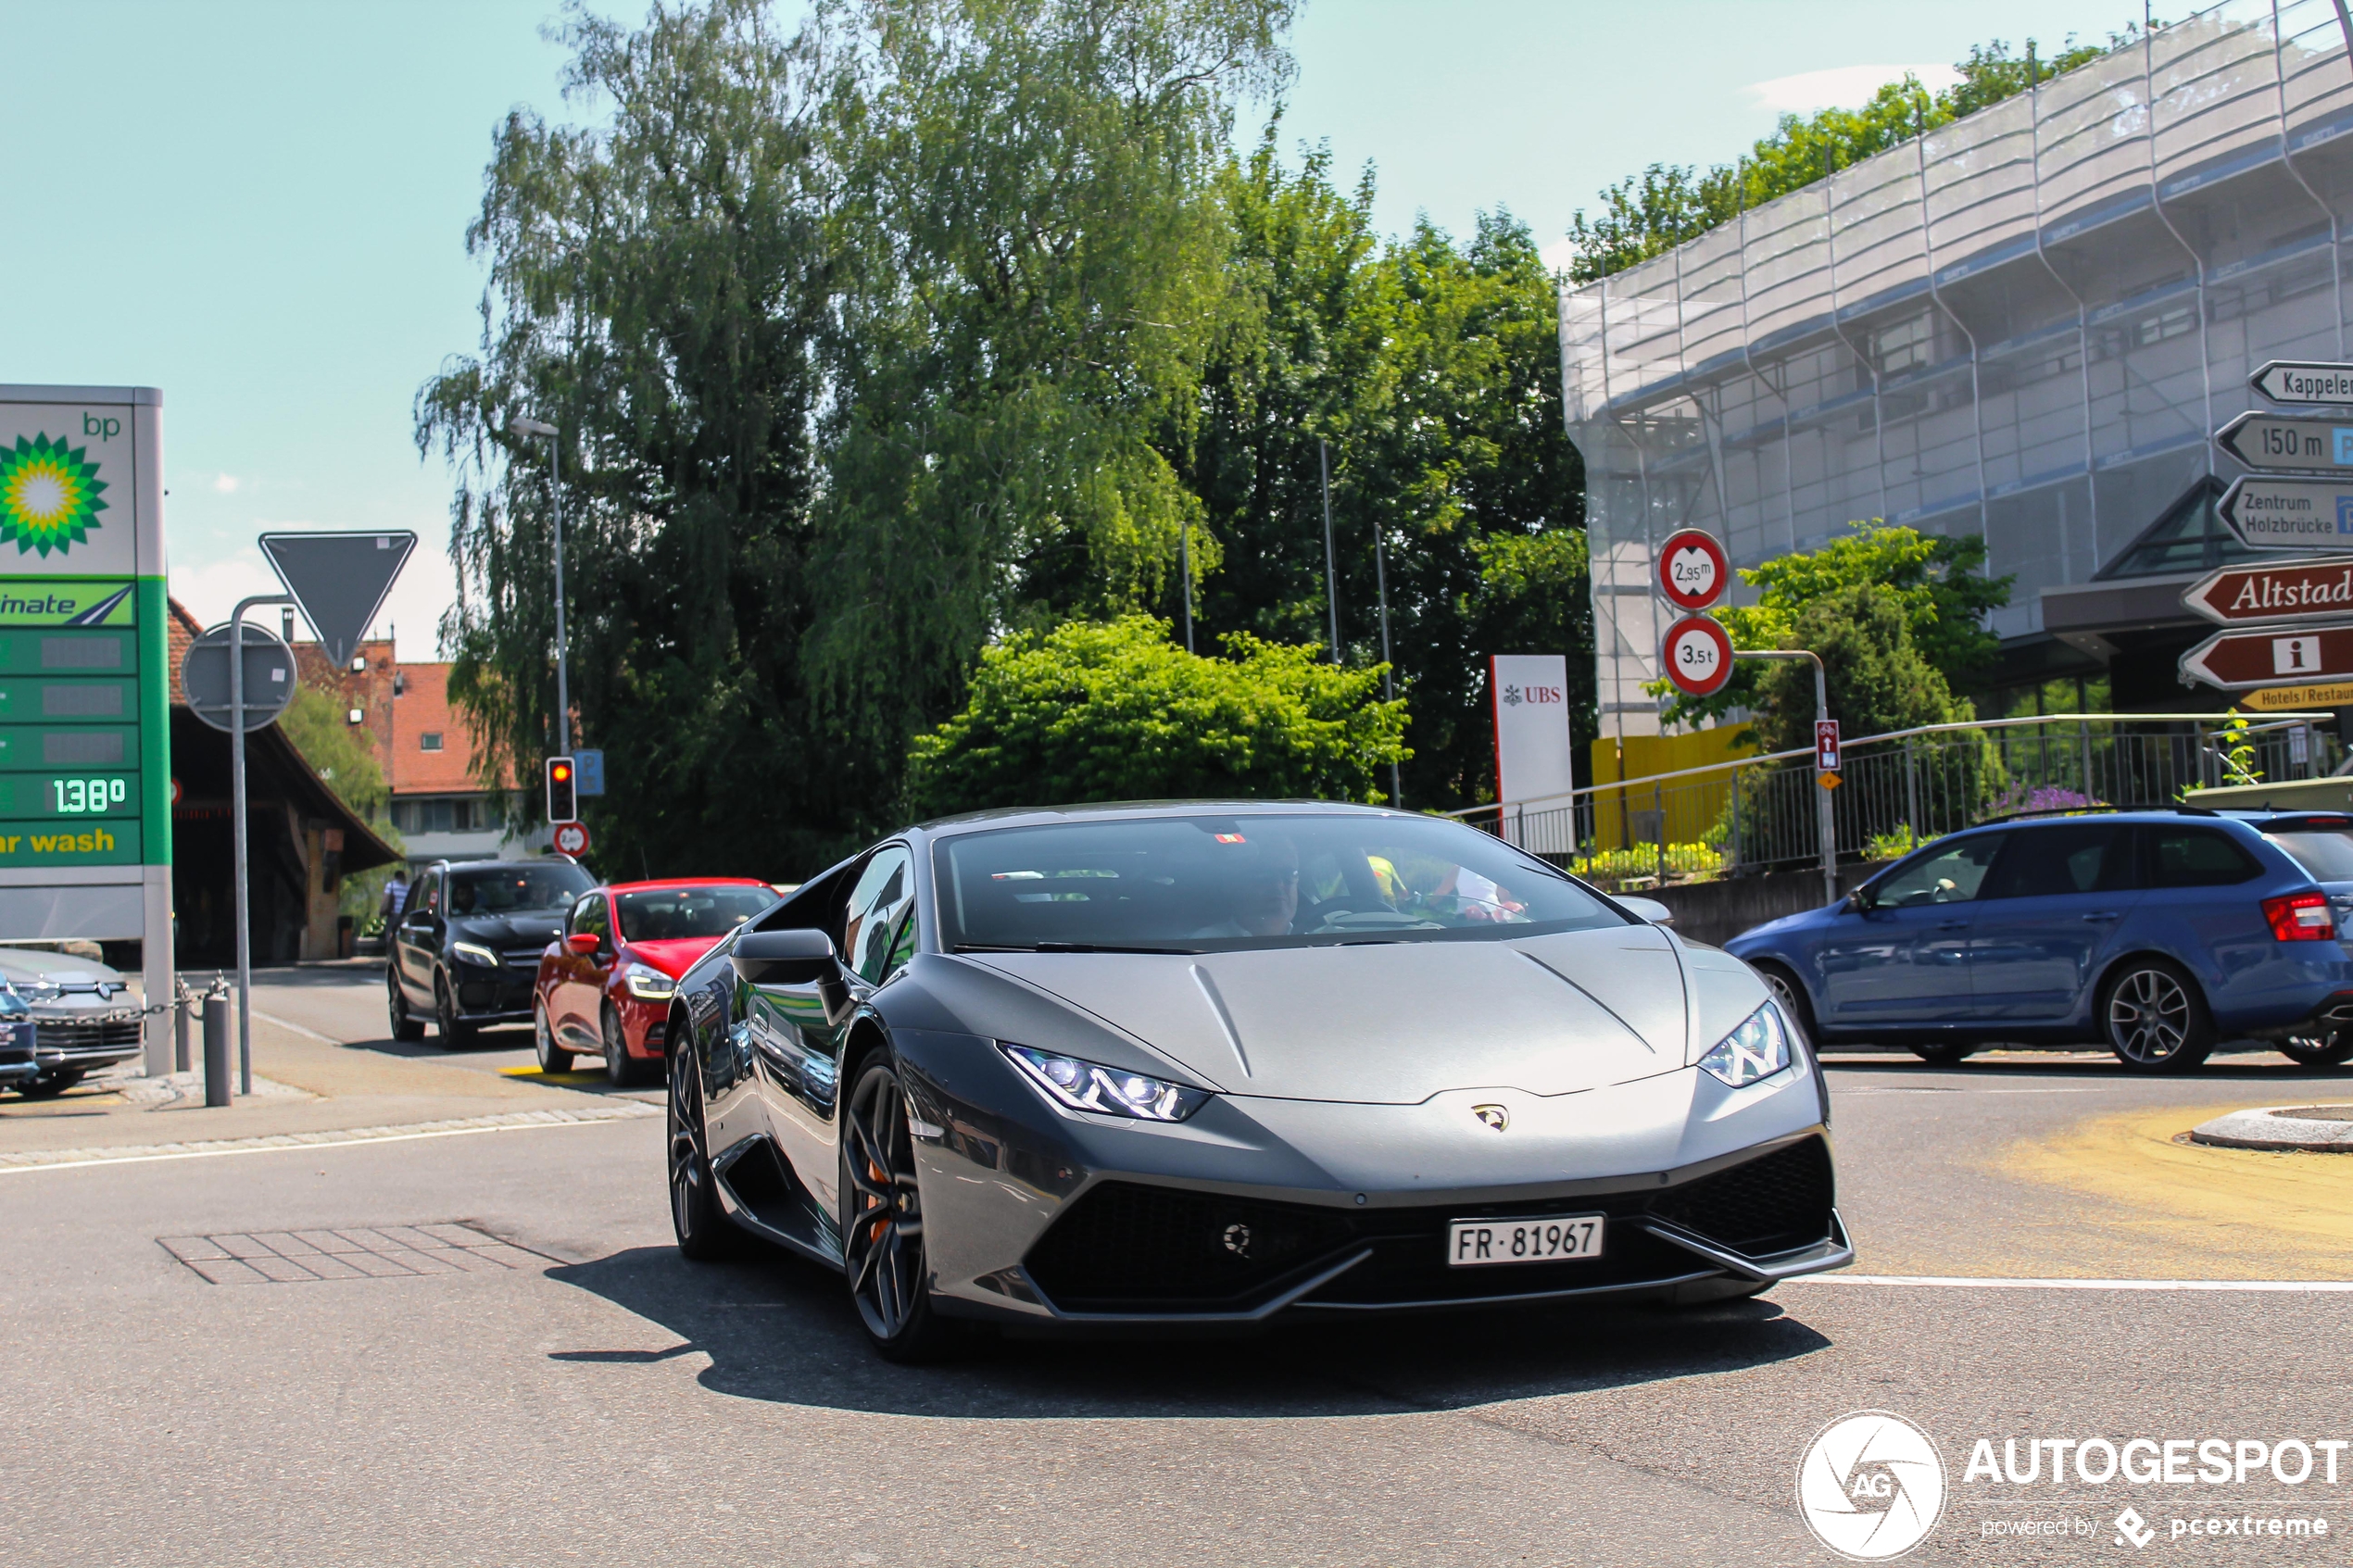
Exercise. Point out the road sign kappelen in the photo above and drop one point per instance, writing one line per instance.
(2306, 381)
(2301, 590)
(2274, 657)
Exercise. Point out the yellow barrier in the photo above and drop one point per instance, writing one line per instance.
(1691, 806)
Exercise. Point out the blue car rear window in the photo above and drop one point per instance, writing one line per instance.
(2188, 857)
(2327, 856)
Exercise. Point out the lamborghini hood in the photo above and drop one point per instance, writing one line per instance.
(1397, 1022)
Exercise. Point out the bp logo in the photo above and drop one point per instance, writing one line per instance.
(1871, 1486)
(48, 495)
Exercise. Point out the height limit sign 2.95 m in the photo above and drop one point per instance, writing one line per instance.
(1693, 570)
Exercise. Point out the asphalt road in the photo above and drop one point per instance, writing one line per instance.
(594, 1398)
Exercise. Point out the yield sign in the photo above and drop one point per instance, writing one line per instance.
(2279, 656)
(339, 578)
(2298, 590)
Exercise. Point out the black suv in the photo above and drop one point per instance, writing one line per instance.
(466, 947)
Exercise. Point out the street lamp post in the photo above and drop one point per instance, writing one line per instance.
(527, 428)
(1825, 816)
(1388, 682)
(1331, 589)
(238, 830)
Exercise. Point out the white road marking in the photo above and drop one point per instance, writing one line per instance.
(82, 1158)
(1836, 1088)
(296, 1028)
(1967, 1282)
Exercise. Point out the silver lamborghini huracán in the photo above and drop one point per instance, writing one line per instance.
(1214, 1064)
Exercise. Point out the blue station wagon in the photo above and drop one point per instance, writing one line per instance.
(2157, 933)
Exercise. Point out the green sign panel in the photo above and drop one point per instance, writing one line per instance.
(84, 682)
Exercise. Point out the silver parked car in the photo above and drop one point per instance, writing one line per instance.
(1214, 1064)
(73, 1001)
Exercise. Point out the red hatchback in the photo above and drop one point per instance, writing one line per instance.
(604, 984)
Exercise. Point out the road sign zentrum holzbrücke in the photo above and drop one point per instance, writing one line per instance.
(2288, 514)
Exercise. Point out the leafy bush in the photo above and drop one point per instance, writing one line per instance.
(1692, 860)
(1113, 710)
(2018, 799)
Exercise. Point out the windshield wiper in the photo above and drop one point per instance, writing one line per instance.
(1064, 947)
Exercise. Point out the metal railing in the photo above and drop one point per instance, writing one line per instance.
(1759, 814)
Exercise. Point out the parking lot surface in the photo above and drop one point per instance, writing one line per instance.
(481, 1346)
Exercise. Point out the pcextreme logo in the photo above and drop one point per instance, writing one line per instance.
(48, 494)
(1871, 1486)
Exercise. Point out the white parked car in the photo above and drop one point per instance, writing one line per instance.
(72, 1000)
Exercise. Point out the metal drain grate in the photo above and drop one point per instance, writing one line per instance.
(354, 1252)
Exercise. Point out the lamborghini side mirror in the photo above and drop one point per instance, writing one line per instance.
(797, 957)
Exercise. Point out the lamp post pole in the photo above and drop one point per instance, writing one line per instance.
(525, 427)
(1387, 679)
(238, 829)
(1825, 819)
(1331, 588)
(1185, 572)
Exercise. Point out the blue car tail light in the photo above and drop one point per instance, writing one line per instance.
(2301, 917)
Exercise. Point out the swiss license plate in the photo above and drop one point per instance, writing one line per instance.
(1547, 1240)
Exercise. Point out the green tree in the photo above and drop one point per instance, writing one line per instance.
(1936, 582)
(1034, 267)
(315, 722)
(1878, 678)
(1535, 595)
(1432, 370)
(1114, 710)
(855, 338)
(658, 287)
(1648, 214)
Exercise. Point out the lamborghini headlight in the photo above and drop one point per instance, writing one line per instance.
(649, 984)
(475, 953)
(1758, 1048)
(1083, 1086)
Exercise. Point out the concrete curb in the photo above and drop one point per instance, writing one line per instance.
(607, 1111)
(2280, 1127)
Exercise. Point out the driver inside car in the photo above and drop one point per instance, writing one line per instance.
(1259, 887)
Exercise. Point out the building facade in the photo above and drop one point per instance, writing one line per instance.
(2024, 326)
(441, 806)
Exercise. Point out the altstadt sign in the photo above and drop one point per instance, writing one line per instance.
(2301, 590)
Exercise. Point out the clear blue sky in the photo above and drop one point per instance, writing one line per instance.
(260, 207)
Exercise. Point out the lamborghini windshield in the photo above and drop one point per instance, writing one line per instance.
(1212, 883)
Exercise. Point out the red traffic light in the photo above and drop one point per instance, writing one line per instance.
(560, 771)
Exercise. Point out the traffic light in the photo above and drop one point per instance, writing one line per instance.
(562, 804)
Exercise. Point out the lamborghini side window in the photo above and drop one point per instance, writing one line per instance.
(870, 926)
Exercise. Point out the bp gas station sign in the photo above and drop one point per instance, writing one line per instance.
(85, 691)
